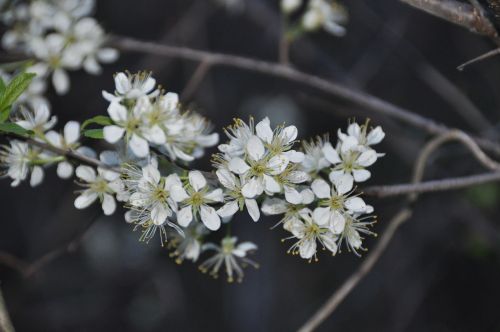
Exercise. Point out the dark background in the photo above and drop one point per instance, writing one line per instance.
(440, 273)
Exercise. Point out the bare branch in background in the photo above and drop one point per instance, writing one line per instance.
(275, 69)
(463, 14)
(479, 58)
(5, 323)
(404, 214)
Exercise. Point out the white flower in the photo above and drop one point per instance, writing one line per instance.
(17, 159)
(231, 255)
(239, 134)
(276, 206)
(309, 231)
(131, 124)
(195, 200)
(150, 194)
(314, 158)
(38, 120)
(55, 57)
(353, 229)
(289, 6)
(259, 168)
(235, 199)
(335, 203)
(188, 246)
(327, 14)
(359, 138)
(288, 180)
(348, 160)
(134, 86)
(97, 188)
(68, 141)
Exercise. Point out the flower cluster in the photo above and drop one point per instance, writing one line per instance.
(143, 115)
(260, 168)
(327, 14)
(60, 35)
(331, 212)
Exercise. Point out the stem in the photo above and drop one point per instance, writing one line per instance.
(5, 323)
(279, 70)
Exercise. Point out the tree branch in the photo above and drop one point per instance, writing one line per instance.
(5, 323)
(286, 72)
(459, 13)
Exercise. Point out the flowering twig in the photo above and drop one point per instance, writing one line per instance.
(275, 69)
(340, 294)
(404, 214)
(64, 152)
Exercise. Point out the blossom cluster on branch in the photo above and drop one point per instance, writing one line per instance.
(259, 168)
(57, 36)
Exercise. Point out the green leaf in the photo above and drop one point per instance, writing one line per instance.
(2, 87)
(94, 133)
(100, 120)
(4, 114)
(15, 88)
(13, 128)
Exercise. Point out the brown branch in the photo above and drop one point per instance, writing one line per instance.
(28, 270)
(5, 322)
(433, 185)
(346, 288)
(286, 72)
(458, 13)
(70, 154)
(195, 80)
(405, 213)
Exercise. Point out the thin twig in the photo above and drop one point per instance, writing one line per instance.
(5, 322)
(479, 58)
(275, 69)
(70, 154)
(433, 185)
(195, 80)
(405, 213)
(345, 289)
(28, 270)
(459, 13)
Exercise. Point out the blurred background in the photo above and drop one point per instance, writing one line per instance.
(440, 272)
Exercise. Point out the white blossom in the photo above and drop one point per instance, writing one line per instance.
(289, 6)
(37, 120)
(326, 14)
(308, 231)
(231, 255)
(97, 187)
(195, 200)
(19, 159)
(188, 245)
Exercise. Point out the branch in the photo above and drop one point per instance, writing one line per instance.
(5, 323)
(279, 70)
(459, 13)
(345, 289)
(405, 213)
(27, 270)
(432, 186)
(70, 154)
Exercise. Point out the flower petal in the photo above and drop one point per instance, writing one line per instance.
(253, 209)
(321, 189)
(36, 176)
(64, 170)
(159, 214)
(216, 195)
(321, 216)
(85, 199)
(108, 204)
(330, 153)
(255, 148)
(343, 184)
(264, 131)
(113, 134)
(86, 173)
(197, 180)
(185, 216)
(71, 132)
(238, 166)
(361, 175)
(139, 146)
(228, 209)
(209, 217)
(178, 193)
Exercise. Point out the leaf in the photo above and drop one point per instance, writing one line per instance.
(2, 87)
(100, 120)
(15, 88)
(14, 128)
(4, 114)
(94, 133)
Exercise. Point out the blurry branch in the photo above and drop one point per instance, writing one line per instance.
(5, 323)
(445, 184)
(195, 80)
(432, 186)
(403, 215)
(345, 289)
(70, 154)
(471, 17)
(479, 58)
(27, 270)
(283, 71)
(456, 98)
